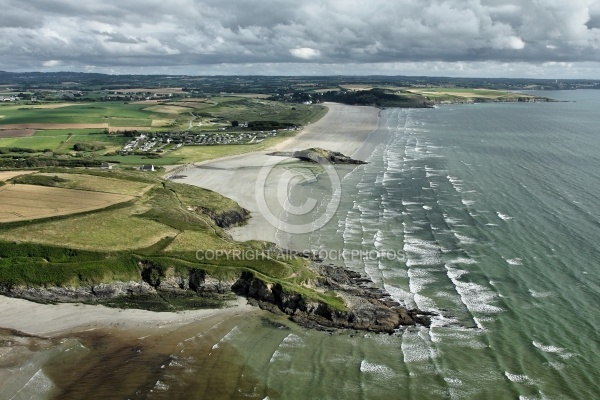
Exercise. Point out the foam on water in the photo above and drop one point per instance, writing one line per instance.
(160, 387)
(415, 349)
(477, 298)
(548, 348)
(517, 378)
(379, 369)
(292, 341)
(463, 239)
(400, 295)
(514, 261)
(504, 217)
(539, 294)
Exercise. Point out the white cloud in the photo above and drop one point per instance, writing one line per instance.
(305, 52)
(126, 35)
(52, 63)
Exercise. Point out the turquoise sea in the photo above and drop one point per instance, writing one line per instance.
(493, 211)
(496, 209)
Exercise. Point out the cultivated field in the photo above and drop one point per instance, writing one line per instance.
(162, 122)
(464, 93)
(9, 133)
(6, 175)
(62, 139)
(25, 202)
(55, 105)
(169, 109)
(51, 126)
(112, 230)
(149, 90)
(357, 87)
(100, 184)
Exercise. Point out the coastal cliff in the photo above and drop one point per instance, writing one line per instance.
(365, 307)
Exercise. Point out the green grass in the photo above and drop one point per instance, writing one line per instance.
(141, 160)
(169, 226)
(245, 109)
(42, 265)
(61, 139)
(114, 113)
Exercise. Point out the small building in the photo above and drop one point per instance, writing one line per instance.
(106, 165)
(147, 168)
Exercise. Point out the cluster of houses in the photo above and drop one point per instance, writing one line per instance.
(9, 98)
(159, 142)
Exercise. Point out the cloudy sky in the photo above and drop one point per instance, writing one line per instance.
(512, 38)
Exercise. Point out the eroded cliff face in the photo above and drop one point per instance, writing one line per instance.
(366, 307)
(70, 294)
(228, 219)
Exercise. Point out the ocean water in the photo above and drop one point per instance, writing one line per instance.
(487, 214)
(495, 209)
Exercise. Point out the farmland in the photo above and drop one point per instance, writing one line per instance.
(67, 226)
(57, 127)
(163, 223)
(452, 95)
(25, 202)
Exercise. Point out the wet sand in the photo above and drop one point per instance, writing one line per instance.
(81, 351)
(100, 340)
(48, 320)
(345, 129)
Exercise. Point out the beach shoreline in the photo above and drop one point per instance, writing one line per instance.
(344, 129)
(232, 176)
(51, 320)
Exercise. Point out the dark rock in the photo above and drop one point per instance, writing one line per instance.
(317, 155)
(367, 310)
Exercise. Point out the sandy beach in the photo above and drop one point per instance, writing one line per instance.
(345, 129)
(49, 320)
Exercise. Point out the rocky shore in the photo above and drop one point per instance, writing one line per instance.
(318, 155)
(367, 308)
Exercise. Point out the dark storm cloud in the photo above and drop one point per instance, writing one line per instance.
(133, 33)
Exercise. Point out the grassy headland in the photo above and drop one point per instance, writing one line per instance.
(176, 229)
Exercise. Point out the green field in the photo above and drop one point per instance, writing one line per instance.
(167, 225)
(62, 140)
(245, 109)
(460, 94)
(113, 113)
(212, 113)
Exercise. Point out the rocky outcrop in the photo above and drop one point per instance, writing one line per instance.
(231, 218)
(318, 155)
(368, 308)
(86, 294)
(227, 219)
